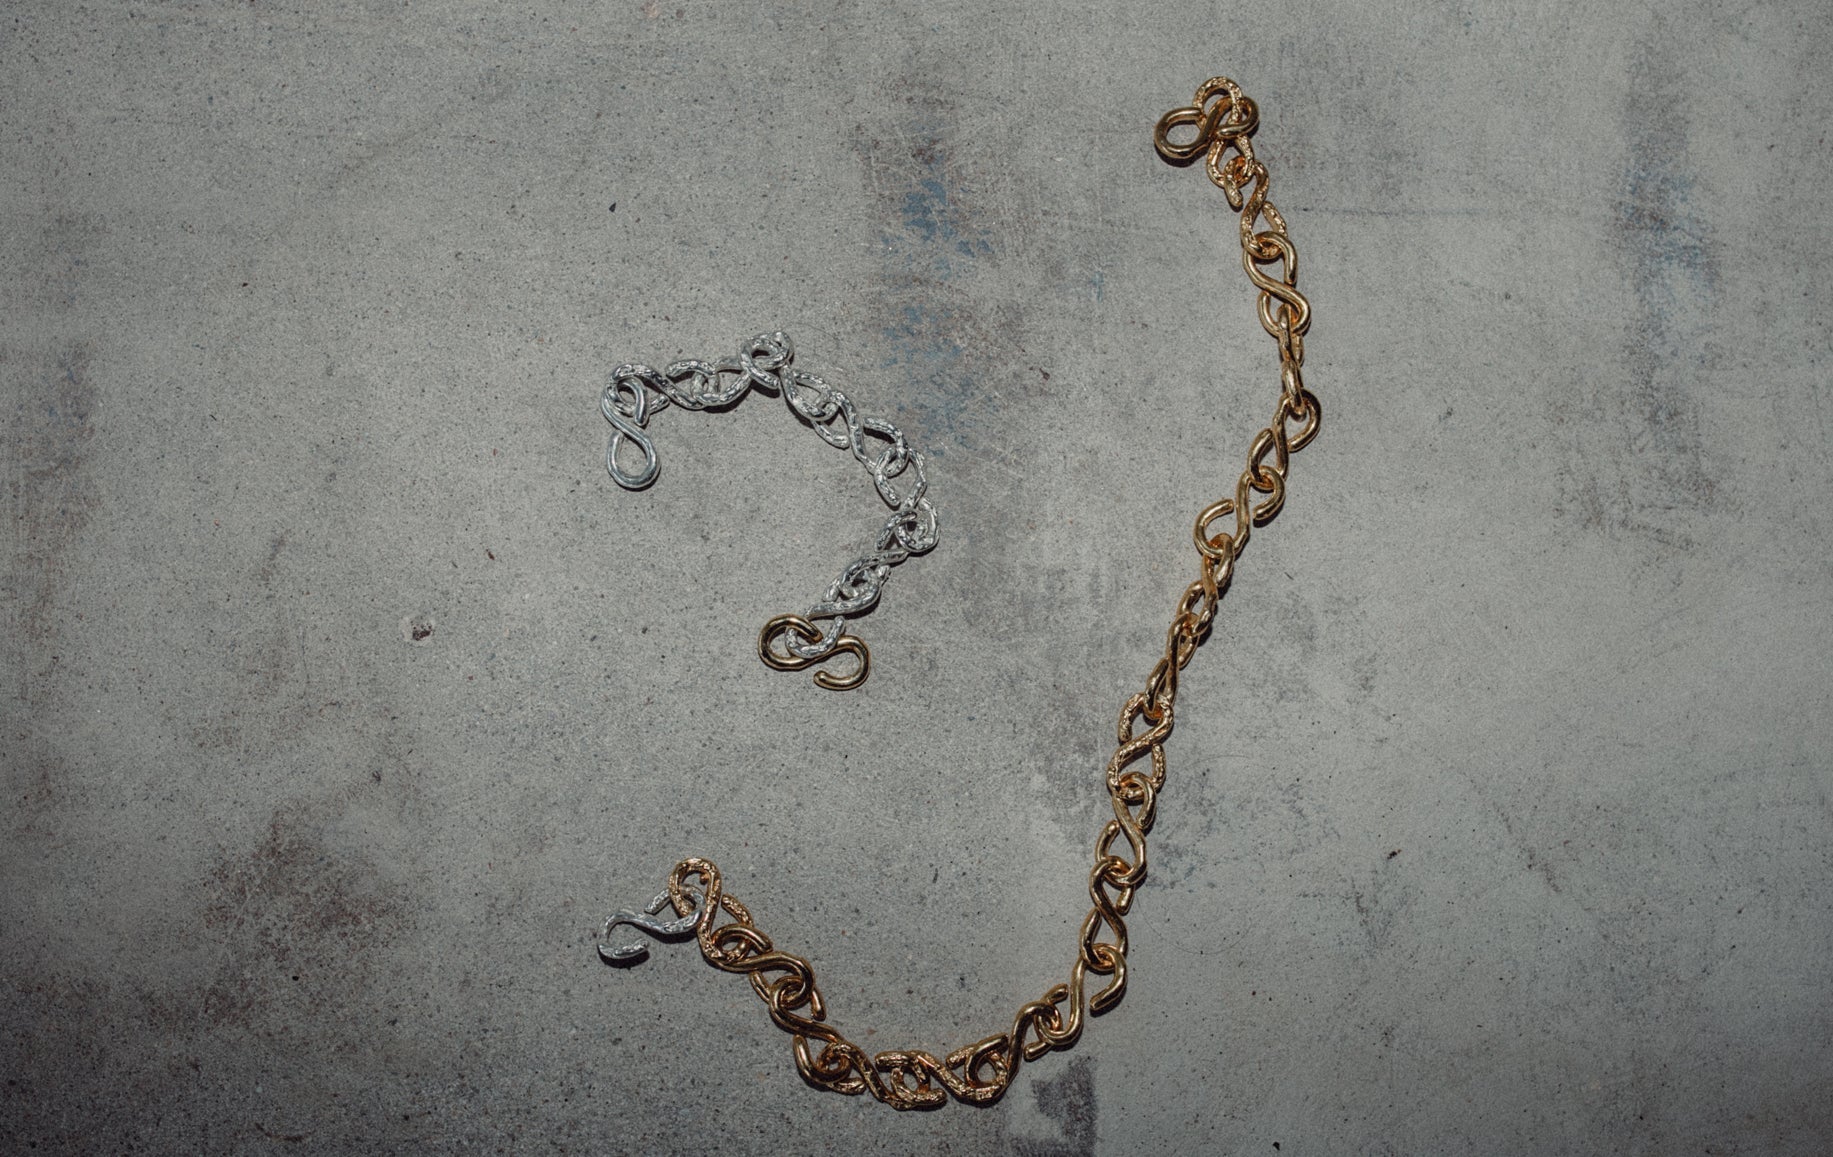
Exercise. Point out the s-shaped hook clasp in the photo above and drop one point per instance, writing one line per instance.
(646, 921)
(795, 657)
(1233, 117)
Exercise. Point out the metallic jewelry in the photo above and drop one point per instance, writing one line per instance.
(981, 1072)
(636, 391)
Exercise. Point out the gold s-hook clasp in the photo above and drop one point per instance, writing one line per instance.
(791, 658)
(1232, 117)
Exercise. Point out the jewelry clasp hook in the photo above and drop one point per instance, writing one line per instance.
(788, 659)
(646, 921)
(1233, 115)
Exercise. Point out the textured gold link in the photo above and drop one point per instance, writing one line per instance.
(981, 1072)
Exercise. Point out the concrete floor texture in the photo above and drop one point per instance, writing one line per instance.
(345, 694)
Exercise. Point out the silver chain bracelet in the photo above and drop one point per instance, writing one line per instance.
(788, 642)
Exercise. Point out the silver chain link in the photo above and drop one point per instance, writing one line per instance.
(636, 392)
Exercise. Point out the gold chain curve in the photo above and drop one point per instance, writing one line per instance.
(981, 1072)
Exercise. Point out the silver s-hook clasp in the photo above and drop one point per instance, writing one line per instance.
(626, 407)
(634, 953)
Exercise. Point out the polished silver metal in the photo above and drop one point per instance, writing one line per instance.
(635, 392)
(676, 929)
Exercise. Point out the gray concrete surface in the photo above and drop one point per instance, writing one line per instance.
(1498, 818)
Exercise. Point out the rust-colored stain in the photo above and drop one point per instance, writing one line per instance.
(302, 921)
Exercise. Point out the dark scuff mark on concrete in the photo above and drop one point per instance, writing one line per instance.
(302, 919)
(1673, 272)
(1639, 465)
(279, 973)
(39, 792)
(71, 1062)
(63, 258)
(265, 649)
(54, 402)
(50, 491)
(265, 576)
(1069, 1100)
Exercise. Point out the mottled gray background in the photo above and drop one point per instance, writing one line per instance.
(1498, 818)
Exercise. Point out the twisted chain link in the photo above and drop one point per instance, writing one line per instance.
(636, 391)
(980, 1073)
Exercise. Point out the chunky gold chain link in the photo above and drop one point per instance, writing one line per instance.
(980, 1073)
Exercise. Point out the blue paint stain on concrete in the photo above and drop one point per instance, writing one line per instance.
(920, 334)
(922, 343)
(933, 220)
(931, 244)
(1668, 254)
(1671, 260)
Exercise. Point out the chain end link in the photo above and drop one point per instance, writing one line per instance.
(1233, 117)
(789, 658)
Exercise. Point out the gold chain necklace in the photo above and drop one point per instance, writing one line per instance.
(981, 1072)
